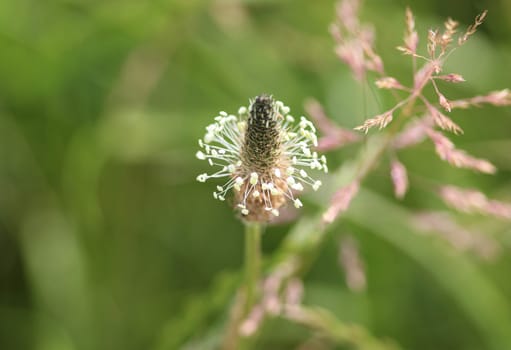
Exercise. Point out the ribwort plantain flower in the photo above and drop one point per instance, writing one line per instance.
(265, 154)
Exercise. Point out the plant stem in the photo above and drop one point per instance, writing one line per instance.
(252, 263)
(247, 295)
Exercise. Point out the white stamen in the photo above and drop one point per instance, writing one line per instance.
(237, 183)
(314, 140)
(297, 186)
(209, 137)
(200, 155)
(253, 178)
(202, 177)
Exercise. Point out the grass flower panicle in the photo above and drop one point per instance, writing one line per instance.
(265, 154)
(473, 201)
(463, 239)
(418, 118)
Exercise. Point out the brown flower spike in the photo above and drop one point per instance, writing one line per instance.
(264, 154)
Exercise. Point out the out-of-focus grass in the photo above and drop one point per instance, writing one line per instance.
(107, 241)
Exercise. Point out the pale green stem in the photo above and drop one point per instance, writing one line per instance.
(253, 232)
(247, 298)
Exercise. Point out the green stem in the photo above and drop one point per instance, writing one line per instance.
(252, 263)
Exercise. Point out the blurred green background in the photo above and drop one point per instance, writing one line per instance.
(108, 242)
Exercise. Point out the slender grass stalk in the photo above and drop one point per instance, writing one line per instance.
(253, 231)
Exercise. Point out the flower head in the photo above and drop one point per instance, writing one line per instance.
(265, 155)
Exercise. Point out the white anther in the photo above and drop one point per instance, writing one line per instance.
(297, 186)
(209, 137)
(253, 178)
(202, 177)
(200, 155)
